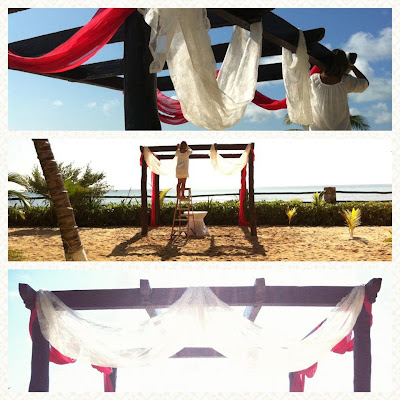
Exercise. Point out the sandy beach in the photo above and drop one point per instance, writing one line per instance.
(225, 244)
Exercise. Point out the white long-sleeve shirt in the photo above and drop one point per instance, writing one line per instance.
(329, 103)
(182, 166)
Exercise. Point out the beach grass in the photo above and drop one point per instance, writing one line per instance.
(16, 255)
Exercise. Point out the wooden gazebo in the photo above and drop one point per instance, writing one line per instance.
(159, 152)
(131, 74)
(253, 298)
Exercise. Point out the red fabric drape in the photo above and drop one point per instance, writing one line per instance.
(57, 358)
(170, 111)
(345, 345)
(83, 45)
(153, 195)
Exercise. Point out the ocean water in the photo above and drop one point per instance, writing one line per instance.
(274, 193)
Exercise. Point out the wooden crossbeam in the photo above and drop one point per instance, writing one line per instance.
(278, 31)
(109, 299)
(198, 147)
(15, 10)
(196, 156)
(266, 72)
(145, 298)
(39, 45)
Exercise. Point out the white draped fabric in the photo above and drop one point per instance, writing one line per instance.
(228, 167)
(197, 319)
(180, 37)
(297, 83)
(164, 167)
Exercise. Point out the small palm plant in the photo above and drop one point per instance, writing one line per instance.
(318, 199)
(389, 239)
(22, 197)
(290, 212)
(162, 196)
(352, 218)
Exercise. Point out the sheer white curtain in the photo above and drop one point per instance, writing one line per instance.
(297, 83)
(180, 37)
(197, 319)
(164, 167)
(228, 166)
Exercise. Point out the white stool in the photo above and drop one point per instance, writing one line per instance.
(198, 221)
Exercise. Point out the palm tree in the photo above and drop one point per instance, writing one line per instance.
(73, 248)
(358, 123)
(18, 179)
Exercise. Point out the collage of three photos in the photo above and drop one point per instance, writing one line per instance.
(223, 176)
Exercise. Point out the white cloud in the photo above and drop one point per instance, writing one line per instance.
(109, 107)
(354, 111)
(58, 103)
(379, 113)
(379, 89)
(370, 47)
(257, 114)
(91, 105)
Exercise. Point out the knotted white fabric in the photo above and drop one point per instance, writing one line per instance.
(228, 167)
(297, 83)
(164, 167)
(197, 319)
(180, 37)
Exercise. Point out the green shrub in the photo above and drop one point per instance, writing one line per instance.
(219, 213)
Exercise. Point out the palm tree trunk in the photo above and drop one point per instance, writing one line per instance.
(73, 248)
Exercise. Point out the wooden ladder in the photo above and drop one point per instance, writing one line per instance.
(179, 217)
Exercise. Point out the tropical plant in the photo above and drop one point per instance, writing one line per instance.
(318, 199)
(18, 179)
(82, 183)
(389, 239)
(290, 212)
(15, 211)
(352, 218)
(162, 196)
(357, 122)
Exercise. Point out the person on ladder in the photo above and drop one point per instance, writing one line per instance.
(183, 153)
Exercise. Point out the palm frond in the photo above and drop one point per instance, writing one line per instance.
(291, 212)
(352, 218)
(359, 123)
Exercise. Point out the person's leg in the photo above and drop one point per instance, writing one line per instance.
(179, 192)
(183, 186)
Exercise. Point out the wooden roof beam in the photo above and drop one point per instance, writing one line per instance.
(251, 312)
(15, 10)
(266, 72)
(303, 296)
(39, 45)
(279, 32)
(198, 147)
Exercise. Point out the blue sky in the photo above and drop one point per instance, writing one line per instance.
(39, 103)
(183, 374)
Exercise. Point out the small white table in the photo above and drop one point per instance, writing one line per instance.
(197, 227)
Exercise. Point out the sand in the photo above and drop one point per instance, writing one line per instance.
(225, 244)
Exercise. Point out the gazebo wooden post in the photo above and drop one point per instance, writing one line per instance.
(157, 199)
(143, 188)
(362, 341)
(40, 346)
(113, 378)
(140, 87)
(252, 208)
